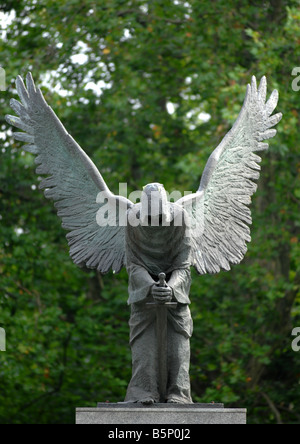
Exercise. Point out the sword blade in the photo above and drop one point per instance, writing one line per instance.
(162, 344)
(162, 349)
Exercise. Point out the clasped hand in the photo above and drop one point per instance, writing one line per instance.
(161, 294)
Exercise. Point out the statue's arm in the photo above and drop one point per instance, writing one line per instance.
(139, 284)
(180, 282)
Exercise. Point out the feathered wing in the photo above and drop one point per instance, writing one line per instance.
(219, 210)
(73, 183)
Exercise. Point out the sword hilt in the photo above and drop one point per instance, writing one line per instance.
(162, 283)
(162, 280)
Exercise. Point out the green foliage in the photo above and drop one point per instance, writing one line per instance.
(67, 333)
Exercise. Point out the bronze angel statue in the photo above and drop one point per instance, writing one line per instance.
(146, 237)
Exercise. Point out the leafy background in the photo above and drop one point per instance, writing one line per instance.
(148, 89)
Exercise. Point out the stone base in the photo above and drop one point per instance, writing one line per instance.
(122, 413)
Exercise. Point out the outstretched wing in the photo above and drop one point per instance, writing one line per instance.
(73, 182)
(219, 210)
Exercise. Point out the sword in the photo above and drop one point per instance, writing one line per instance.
(162, 338)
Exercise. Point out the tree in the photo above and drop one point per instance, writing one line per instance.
(159, 65)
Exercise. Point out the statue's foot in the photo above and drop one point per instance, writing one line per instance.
(177, 400)
(147, 401)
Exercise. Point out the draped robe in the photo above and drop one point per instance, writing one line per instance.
(149, 251)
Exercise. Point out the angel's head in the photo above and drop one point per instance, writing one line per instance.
(154, 205)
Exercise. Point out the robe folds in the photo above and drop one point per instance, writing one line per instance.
(150, 251)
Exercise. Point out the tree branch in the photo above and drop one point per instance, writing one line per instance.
(272, 407)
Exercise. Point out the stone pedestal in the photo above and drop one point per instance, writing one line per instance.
(122, 413)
